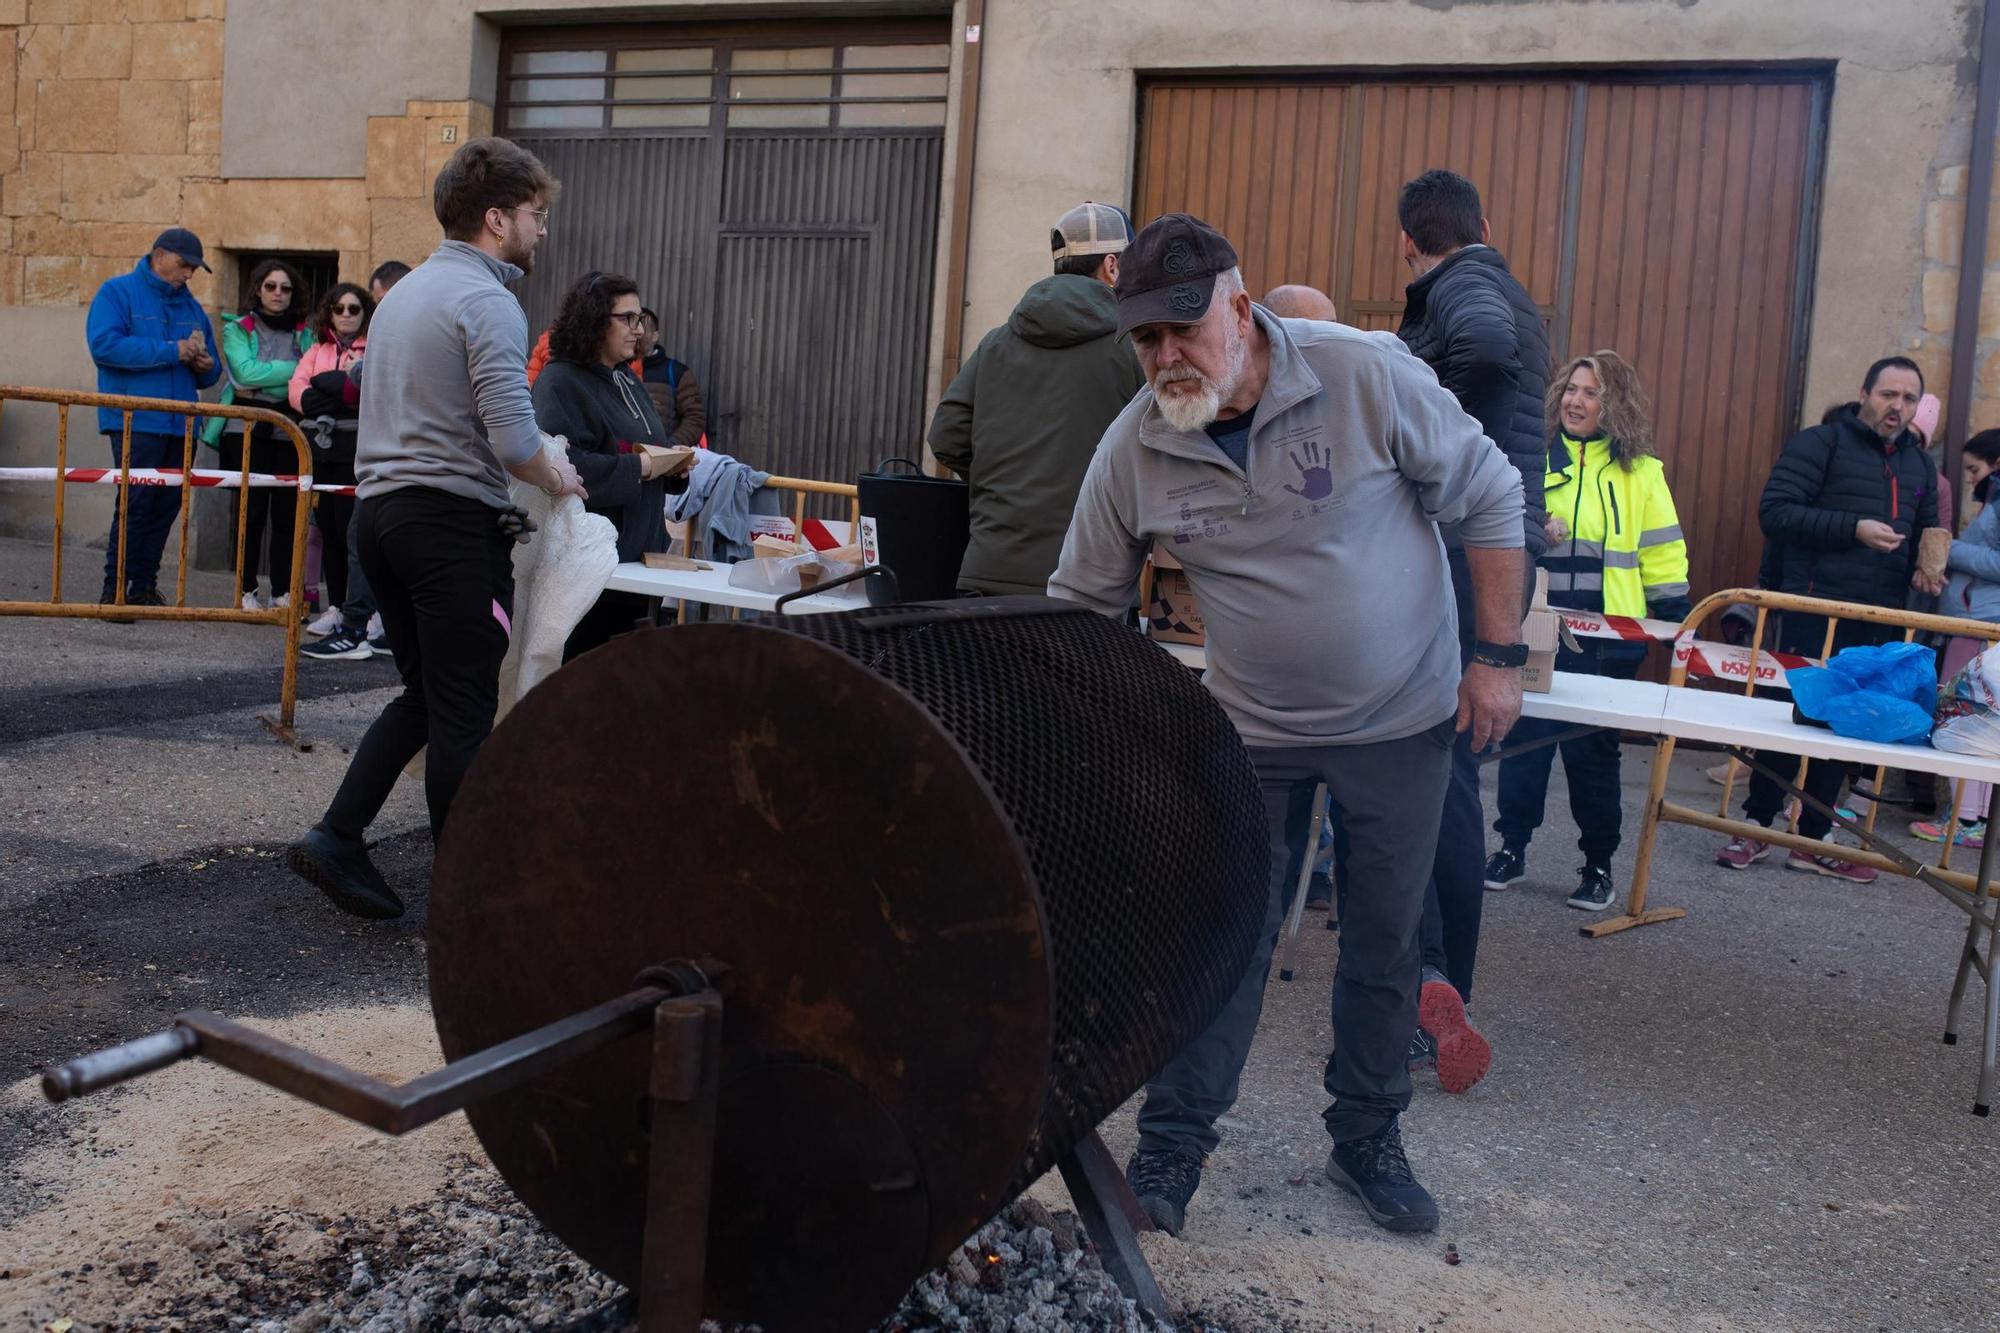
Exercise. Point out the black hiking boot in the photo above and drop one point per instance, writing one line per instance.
(1375, 1171)
(1164, 1179)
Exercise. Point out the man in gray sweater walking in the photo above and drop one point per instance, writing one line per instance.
(446, 420)
(1300, 471)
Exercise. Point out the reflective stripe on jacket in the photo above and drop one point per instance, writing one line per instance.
(1624, 554)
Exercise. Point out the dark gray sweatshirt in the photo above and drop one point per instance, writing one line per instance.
(447, 404)
(1318, 570)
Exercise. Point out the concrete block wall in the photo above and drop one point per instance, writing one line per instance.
(110, 132)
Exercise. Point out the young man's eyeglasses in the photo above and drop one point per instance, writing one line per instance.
(540, 215)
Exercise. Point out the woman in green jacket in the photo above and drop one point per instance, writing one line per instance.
(259, 353)
(1615, 547)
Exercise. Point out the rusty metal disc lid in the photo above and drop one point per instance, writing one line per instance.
(737, 792)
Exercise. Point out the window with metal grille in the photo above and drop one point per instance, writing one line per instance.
(613, 89)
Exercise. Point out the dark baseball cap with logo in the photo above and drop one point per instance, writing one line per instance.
(181, 241)
(1167, 275)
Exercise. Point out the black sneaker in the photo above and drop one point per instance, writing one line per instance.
(1375, 1171)
(1505, 866)
(341, 870)
(379, 645)
(1164, 1179)
(1423, 1051)
(343, 645)
(109, 599)
(1594, 894)
(144, 597)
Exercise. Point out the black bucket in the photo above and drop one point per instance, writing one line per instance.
(921, 526)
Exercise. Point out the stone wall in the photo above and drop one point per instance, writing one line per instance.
(114, 105)
(1933, 331)
(110, 132)
(114, 133)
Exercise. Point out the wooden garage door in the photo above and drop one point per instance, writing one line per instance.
(1665, 219)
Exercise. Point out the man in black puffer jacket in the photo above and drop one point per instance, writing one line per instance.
(1469, 319)
(1845, 506)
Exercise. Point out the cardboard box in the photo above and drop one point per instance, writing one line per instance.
(1544, 632)
(1172, 615)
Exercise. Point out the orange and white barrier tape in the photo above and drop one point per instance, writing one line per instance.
(1727, 661)
(168, 476)
(1703, 657)
(1595, 625)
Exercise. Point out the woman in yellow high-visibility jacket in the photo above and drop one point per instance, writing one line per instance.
(1615, 547)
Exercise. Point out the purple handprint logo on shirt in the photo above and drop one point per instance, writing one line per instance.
(1314, 471)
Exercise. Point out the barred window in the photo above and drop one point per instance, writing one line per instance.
(827, 87)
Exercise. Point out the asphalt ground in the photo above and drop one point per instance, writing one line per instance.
(1741, 1120)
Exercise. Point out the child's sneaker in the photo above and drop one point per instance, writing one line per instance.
(1971, 836)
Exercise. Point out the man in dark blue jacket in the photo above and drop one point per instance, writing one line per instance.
(1472, 322)
(150, 339)
(1845, 506)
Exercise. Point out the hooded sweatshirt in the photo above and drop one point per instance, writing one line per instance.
(1318, 566)
(1021, 420)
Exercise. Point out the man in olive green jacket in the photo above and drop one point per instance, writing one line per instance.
(1025, 412)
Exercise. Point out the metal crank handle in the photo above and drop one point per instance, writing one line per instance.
(91, 1073)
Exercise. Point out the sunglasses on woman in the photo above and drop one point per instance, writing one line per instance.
(284, 287)
(347, 308)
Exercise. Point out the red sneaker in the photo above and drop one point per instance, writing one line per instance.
(1830, 866)
(1463, 1056)
(1742, 853)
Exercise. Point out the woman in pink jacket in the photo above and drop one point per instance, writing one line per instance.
(326, 393)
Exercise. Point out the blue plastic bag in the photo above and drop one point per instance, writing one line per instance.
(1882, 692)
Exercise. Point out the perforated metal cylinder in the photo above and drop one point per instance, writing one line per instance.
(1135, 802)
(979, 869)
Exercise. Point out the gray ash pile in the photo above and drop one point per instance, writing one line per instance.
(471, 1259)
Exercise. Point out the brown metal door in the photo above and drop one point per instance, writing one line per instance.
(1687, 258)
(1261, 163)
(1665, 219)
(1510, 138)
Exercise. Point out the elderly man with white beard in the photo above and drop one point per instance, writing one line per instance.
(1299, 471)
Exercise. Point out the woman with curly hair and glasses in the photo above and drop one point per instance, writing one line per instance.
(588, 395)
(1615, 547)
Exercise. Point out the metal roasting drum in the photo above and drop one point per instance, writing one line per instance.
(977, 869)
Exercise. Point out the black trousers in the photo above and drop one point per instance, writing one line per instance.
(334, 514)
(443, 574)
(1807, 635)
(1590, 766)
(272, 510)
(1389, 793)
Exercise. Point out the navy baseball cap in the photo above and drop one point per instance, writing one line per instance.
(184, 243)
(1167, 275)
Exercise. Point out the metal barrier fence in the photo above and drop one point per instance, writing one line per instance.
(1659, 810)
(187, 479)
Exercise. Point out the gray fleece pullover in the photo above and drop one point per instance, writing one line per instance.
(447, 405)
(1318, 569)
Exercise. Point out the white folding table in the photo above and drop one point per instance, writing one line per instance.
(1745, 725)
(711, 587)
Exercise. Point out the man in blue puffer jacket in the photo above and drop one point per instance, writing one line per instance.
(151, 339)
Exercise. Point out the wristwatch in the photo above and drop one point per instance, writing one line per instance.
(1507, 656)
